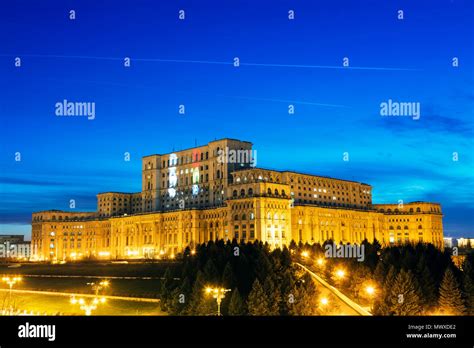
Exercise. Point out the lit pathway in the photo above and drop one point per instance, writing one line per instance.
(354, 306)
(54, 293)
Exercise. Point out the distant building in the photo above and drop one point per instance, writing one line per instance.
(465, 242)
(215, 192)
(450, 242)
(11, 238)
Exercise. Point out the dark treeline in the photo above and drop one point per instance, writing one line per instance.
(262, 282)
(410, 279)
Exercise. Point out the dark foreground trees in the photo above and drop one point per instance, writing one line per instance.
(262, 282)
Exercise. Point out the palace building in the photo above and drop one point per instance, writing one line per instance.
(215, 192)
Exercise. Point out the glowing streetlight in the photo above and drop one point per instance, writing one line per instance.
(85, 306)
(320, 261)
(340, 273)
(218, 294)
(370, 290)
(97, 287)
(11, 281)
(305, 254)
(324, 301)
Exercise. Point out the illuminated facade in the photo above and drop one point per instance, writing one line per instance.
(216, 192)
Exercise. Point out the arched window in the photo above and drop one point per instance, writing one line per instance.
(242, 192)
(405, 228)
(276, 192)
(389, 210)
(250, 192)
(244, 217)
(411, 210)
(420, 227)
(418, 210)
(218, 174)
(236, 217)
(269, 191)
(399, 228)
(283, 193)
(234, 193)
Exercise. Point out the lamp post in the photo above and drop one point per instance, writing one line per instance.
(87, 307)
(218, 294)
(96, 287)
(11, 281)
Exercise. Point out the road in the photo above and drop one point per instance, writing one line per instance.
(354, 307)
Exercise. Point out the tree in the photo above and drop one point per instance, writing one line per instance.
(201, 303)
(236, 305)
(273, 294)
(428, 287)
(404, 298)
(305, 298)
(166, 290)
(468, 283)
(228, 277)
(210, 271)
(180, 297)
(450, 296)
(257, 302)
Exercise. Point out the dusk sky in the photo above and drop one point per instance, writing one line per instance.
(190, 62)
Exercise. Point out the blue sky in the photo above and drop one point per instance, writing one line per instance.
(283, 62)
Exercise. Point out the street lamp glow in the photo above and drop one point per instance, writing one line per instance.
(324, 301)
(305, 254)
(11, 280)
(340, 273)
(320, 261)
(218, 294)
(370, 290)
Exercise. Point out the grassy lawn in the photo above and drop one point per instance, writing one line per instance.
(78, 283)
(53, 305)
(155, 269)
(118, 287)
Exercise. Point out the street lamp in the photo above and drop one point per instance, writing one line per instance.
(370, 290)
(87, 307)
(340, 273)
(11, 281)
(324, 301)
(218, 294)
(320, 261)
(97, 287)
(305, 254)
